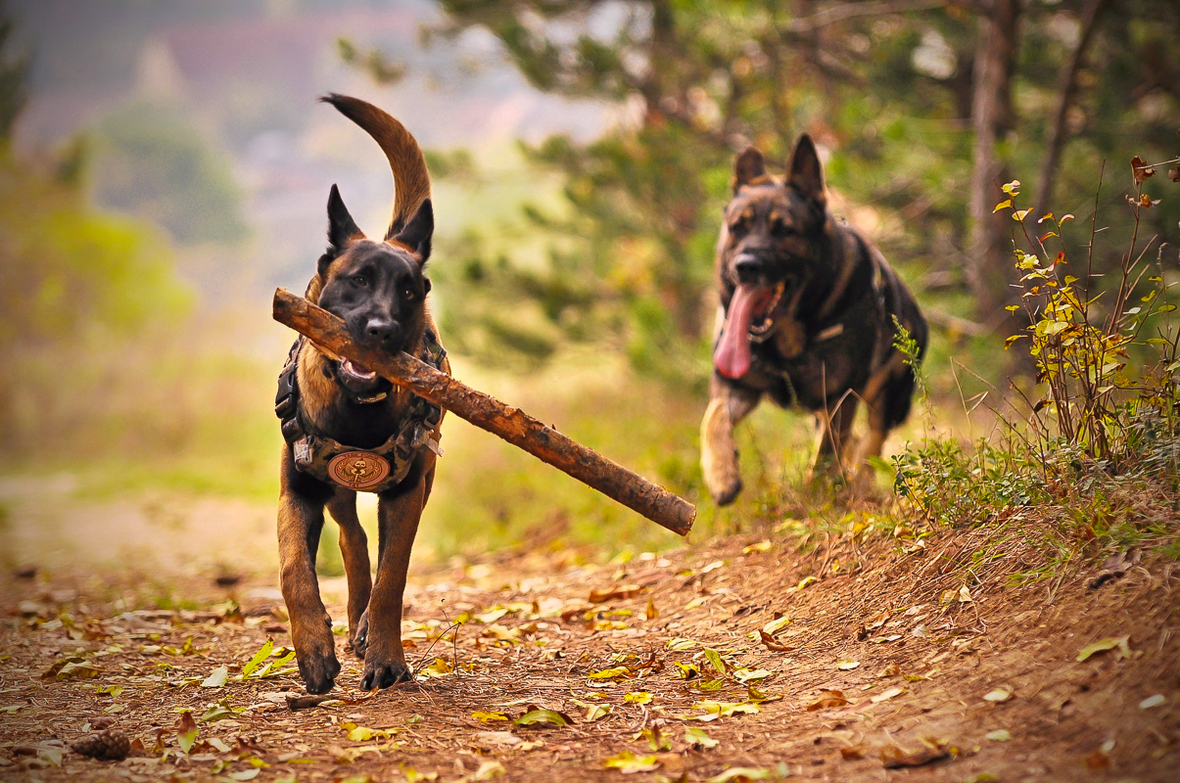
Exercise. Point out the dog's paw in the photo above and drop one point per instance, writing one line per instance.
(360, 635)
(382, 675)
(318, 671)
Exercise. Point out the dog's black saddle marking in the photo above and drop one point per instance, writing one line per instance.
(314, 452)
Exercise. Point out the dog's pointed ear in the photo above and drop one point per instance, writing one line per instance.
(341, 227)
(750, 167)
(418, 231)
(806, 172)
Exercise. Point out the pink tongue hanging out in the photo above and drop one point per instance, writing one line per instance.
(732, 355)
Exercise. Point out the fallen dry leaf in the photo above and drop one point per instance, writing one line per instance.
(886, 695)
(1102, 645)
(828, 700)
(604, 594)
(894, 757)
(740, 775)
(772, 644)
(776, 625)
(627, 762)
(998, 695)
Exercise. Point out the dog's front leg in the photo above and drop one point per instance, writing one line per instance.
(719, 453)
(301, 520)
(354, 549)
(398, 516)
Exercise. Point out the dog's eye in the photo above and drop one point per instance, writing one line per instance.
(409, 295)
(739, 229)
(360, 281)
(779, 227)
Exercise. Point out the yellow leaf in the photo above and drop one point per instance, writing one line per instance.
(1102, 645)
(751, 675)
(490, 616)
(613, 673)
(439, 668)
(698, 738)
(1005, 204)
(627, 762)
(722, 709)
(597, 712)
(740, 775)
(774, 626)
(542, 716)
(638, 697)
(489, 770)
(651, 613)
(487, 717)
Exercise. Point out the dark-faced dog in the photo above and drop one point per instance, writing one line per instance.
(807, 319)
(349, 430)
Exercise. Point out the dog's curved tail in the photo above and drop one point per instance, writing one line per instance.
(411, 180)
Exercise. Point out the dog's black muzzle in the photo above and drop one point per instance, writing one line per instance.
(753, 268)
(379, 332)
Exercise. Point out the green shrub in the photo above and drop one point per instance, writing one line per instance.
(1092, 448)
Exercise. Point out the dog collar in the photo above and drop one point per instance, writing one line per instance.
(362, 470)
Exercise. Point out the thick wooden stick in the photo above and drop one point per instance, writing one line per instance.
(488, 413)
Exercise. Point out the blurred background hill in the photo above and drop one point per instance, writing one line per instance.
(165, 166)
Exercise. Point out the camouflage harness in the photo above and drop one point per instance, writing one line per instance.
(363, 470)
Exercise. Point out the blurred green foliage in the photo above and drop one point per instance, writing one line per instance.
(152, 162)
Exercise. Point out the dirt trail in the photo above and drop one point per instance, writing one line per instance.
(747, 658)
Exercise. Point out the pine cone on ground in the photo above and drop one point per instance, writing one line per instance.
(106, 745)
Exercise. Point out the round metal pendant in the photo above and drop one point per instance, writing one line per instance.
(358, 470)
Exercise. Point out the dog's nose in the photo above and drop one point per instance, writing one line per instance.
(748, 267)
(383, 331)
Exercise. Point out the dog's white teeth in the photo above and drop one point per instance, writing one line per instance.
(352, 369)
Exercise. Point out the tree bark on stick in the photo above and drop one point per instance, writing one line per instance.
(486, 412)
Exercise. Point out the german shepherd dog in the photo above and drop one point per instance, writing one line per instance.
(378, 288)
(807, 318)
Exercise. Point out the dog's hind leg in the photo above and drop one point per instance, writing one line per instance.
(398, 516)
(887, 397)
(834, 438)
(719, 454)
(354, 549)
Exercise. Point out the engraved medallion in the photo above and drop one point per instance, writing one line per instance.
(359, 470)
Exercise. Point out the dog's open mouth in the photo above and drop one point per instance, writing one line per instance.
(358, 380)
(748, 318)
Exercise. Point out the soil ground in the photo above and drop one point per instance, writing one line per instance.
(795, 654)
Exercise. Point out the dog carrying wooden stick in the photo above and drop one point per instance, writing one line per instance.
(348, 428)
